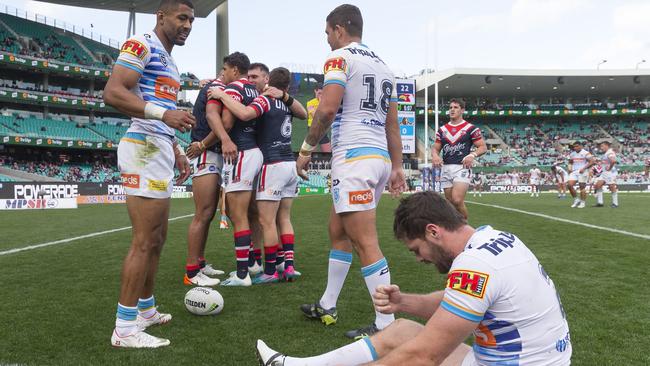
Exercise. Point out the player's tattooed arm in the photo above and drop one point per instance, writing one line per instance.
(324, 115)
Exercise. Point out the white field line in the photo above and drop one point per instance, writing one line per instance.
(603, 228)
(68, 240)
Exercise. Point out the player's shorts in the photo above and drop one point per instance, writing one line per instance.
(209, 162)
(277, 181)
(565, 178)
(359, 176)
(454, 173)
(580, 178)
(146, 164)
(240, 176)
(608, 177)
(534, 182)
(470, 359)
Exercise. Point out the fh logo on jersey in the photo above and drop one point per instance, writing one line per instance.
(361, 197)
(335, 64)
(134, 48)
(167, 88)
(468, 282)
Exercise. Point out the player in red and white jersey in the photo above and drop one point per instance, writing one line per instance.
(581, 160)
(496, 289)
(143, 85)
(359, 101)
(454, 141)
(560, 176)
(607, 164)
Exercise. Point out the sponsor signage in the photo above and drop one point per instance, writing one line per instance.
(40, 190)
(37, 204)
(52, 142)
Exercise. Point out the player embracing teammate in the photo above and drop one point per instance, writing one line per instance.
(278, 181)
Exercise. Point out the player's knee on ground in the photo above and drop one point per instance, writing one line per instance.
(396, 334)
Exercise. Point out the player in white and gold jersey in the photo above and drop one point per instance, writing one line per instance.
(359, 100)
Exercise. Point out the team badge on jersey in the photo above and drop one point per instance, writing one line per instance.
(135, 48)
(335, 64)
(286, 127)
(163, 60)
(468, 282)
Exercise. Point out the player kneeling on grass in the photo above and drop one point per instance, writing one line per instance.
(278, 180)
(496, 288)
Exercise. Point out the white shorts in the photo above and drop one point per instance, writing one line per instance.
(454, 173)
(207, 163)
(359, 177)
(146, 164)
(241, 175)
(565, 178)
(469, 359)
(534, 182)
(277, 181)
(580, 178)
(607, 177)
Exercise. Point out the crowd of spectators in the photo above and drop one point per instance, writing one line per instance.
(52, 89)
(56, 167)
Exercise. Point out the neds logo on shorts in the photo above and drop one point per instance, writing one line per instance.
(468, 282)
(131, 180)
(361, 197)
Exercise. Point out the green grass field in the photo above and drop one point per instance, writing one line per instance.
(57, 303)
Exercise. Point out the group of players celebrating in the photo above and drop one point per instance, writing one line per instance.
(241, 131)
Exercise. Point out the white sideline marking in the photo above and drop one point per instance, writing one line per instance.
(604, 228)
(63, 241)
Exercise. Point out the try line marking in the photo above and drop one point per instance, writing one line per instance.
(63, 241)
(603, 228)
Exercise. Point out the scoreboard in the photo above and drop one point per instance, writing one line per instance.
(406, 114)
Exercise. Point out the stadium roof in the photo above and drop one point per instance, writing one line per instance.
(540, 85)
(202, 8)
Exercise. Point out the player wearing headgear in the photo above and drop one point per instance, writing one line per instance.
(607, 163)
(144, 85)
(454, 141)
(278, 181)
(560, 176)
(581, 161)
(359, 97)
(496, 289)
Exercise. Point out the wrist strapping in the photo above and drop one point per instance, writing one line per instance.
(152, 111)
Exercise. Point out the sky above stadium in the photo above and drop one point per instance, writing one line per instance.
(536, 34)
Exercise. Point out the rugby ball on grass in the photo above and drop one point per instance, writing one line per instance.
(203, 301)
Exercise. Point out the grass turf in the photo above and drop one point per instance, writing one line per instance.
(58, 303)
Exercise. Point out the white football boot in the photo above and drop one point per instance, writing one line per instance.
(581, 204)
(201, 280)
(235, 281)
(208, 270)
(156, 318)
(267, 356)
(139, 339)
(255, 269)
(576, 202)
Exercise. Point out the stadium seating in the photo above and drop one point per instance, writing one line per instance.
(35, 127)
(53, 45)
(315, 181)
(4, 178)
